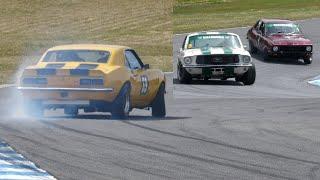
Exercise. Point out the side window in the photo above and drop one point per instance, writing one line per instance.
(262, 28)
(133, 60)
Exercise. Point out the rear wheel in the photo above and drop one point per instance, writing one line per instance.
(71, 111)
(307, 60)
(249, 77)
(122, 104)
(33, 108)
(183, 76)
(158, 105)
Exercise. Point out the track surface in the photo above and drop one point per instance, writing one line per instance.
(202, 138)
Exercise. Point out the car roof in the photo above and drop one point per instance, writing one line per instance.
(276, 21)
(102, 47)
(211, 33)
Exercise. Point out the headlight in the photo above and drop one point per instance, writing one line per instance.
(275, 48)
(187, 60)
(39, 81)
(246, 59)
(309, 48)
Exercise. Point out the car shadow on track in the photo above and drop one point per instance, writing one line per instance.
(211, 82)
(285, 61)
(108, 117)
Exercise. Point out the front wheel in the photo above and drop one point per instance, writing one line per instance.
(307, 60)
(158, 105)
(121, 106)
(249, 77)
(253, 49)
(183, 76)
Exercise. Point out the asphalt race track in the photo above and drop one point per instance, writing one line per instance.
(272, 134)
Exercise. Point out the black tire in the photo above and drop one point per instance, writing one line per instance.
(71, 111)
(265, 56)
(183, 76)
(33, 108)
(252, 49)
(307, 60)
(122, 104)
(249, 77)
(158, 105)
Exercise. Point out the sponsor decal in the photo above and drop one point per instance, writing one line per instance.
(144, 85)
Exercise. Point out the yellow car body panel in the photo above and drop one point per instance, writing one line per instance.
(114, 73)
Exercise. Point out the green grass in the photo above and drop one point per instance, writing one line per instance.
(28, 28)
(200, 15)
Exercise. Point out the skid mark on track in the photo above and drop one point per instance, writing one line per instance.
(182, 155)
(223, 144)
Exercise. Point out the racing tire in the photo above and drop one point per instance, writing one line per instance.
(252, 49)
(265, 56)
(158, 104)
(122, 105)
(307, 60)
(183, 76)
(71, 111)
(33, 108)
(249, 77)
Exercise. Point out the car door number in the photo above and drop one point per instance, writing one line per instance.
(144, 85)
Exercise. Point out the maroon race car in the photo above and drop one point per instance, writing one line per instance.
(279, 38)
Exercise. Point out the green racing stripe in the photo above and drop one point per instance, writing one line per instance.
(227, 50)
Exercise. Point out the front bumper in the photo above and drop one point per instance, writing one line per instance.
(217, 70)
(290, 54)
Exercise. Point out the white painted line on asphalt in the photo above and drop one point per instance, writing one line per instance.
(7, 85)
(15, 166)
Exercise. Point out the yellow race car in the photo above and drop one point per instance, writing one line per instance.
(95, 78)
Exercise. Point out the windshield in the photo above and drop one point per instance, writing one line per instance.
(77, 56)
(218, 40)
(282, 28)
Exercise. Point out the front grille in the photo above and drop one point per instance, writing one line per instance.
(292, 48)
(220, 59)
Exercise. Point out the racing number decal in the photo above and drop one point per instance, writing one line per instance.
(144, 85)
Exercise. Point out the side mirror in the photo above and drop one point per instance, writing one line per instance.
(245, 47)
(146, 66)
(180, 50)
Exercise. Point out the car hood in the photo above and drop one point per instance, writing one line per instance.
(289, 40)
(210, 51)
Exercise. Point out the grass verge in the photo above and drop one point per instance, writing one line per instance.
(28, 28)
(200, 15)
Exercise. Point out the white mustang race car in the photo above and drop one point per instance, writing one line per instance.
(215, 55)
